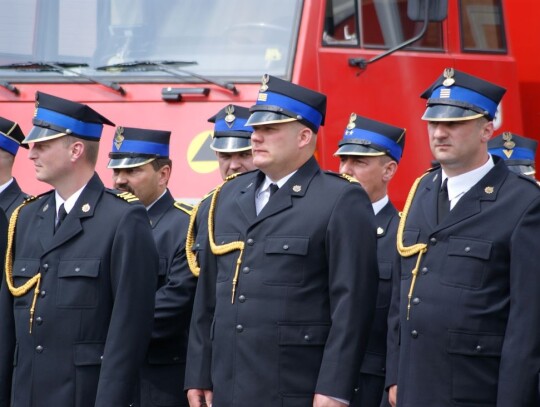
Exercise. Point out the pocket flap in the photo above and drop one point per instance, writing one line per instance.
(286, 245)
(25, 268)
(79, 268)
(373, 363)
(86, 354)
(290, 334)
(480, 249)
(385, 270)
(473, 344)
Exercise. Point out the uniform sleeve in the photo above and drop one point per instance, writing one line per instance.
(133, 266)
(351, 245)
(519, 372)
(199, 355)
(392, 341)
(174, 300)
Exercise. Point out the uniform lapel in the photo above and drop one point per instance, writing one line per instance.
(47, 215)
(296, 186)
(246, 198)
(427, 195)
(84, 208)
(159, 208)
(383, 218)
(485, 190)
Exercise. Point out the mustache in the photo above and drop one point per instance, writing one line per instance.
(124, 187)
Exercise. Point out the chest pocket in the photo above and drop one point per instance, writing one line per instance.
(287, 255)
(227, 262)
(466, 261)
(24, 270)
(78, 283)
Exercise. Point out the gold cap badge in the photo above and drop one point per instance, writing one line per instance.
(119, 137)
(230, 117)
(449, 75)
(351, 125)
(265, 80)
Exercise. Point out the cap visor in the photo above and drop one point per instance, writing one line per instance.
(38, 134)
(358, 149)
(129, 162)
(230, 144)
(262, 117)
(446, 113)
(522, 169)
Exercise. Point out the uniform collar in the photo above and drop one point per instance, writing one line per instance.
(460, 184)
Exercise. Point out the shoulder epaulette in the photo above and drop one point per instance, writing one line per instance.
(126, 196)
(530, 179)
(342, 176)
(184, 207)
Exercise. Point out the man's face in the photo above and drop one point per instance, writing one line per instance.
(460, 146)
(142, 181)
(52, 160)
(231, 163)
(275, 147)
(370, 171)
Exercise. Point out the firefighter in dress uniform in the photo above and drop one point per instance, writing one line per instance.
(76, 309)
(142, 166)
(370, 151)
(469, 309)
(285, 297)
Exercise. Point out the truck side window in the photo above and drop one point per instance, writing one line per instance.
(385, 24)
(340, 23)
(481, 23)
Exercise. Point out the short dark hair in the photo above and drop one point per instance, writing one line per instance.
(161, 162)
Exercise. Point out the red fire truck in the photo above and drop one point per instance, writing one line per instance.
(171, 64)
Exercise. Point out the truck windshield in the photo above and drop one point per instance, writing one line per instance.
(236, 39)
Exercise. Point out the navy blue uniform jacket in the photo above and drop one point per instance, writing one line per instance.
(305, 297)
(473, 336)
(370, 390)
(162, 376)
(94, 311)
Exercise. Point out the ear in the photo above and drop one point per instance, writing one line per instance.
(487, 131)
(305, 135)
(389, 170)
(76, 150)
(164, 173)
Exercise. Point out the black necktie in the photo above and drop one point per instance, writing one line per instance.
(273, 189)
(443, 202)
(61, 216)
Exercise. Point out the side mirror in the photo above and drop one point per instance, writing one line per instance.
(416, 9)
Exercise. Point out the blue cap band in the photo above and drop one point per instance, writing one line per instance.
(92, 130)
(393, 148)
(518, 153)
(142, 147)
(469, 96)
(239, 124)
(307, 112)
(11, 146)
